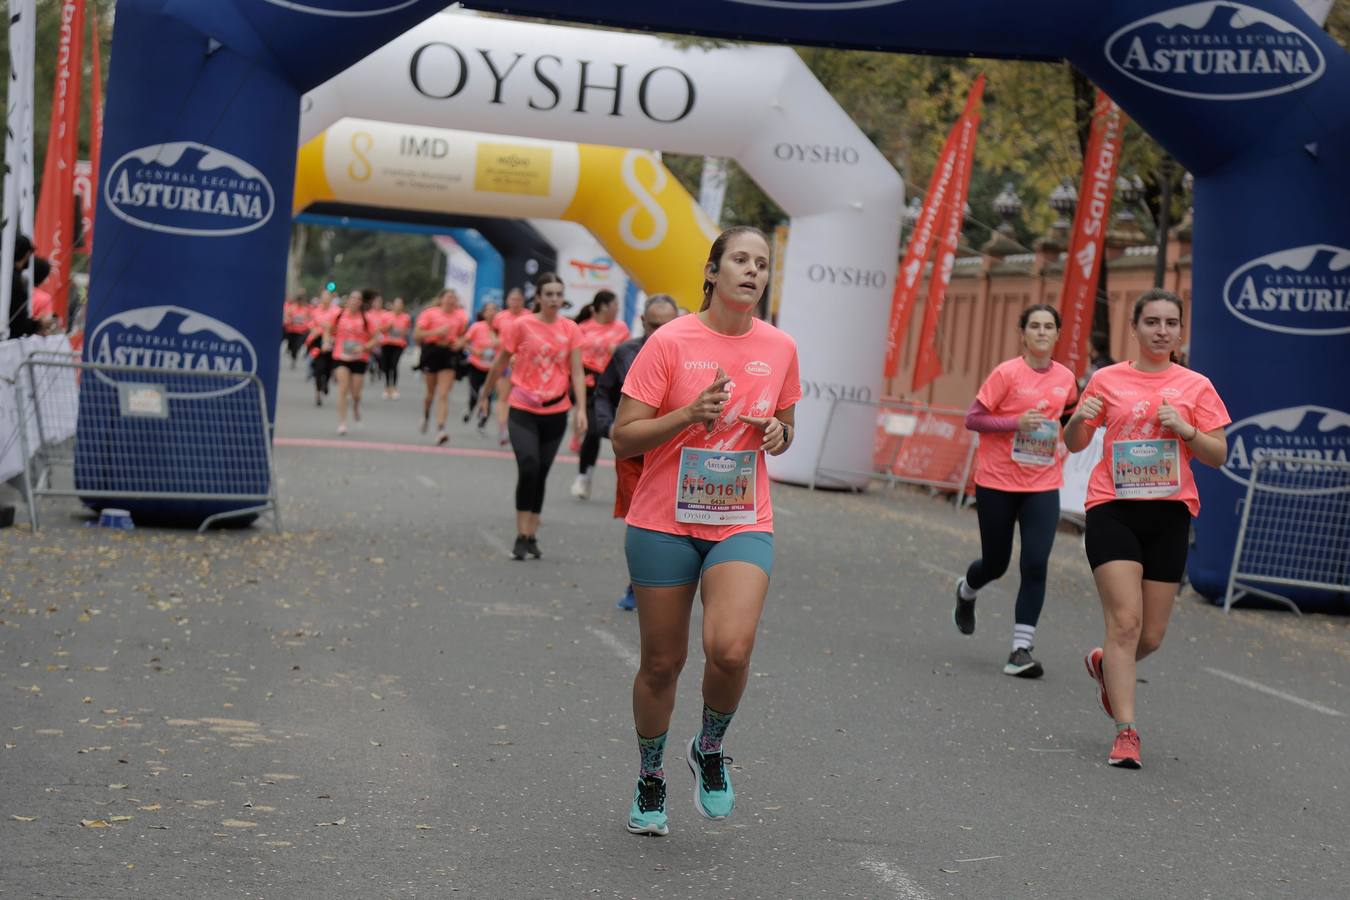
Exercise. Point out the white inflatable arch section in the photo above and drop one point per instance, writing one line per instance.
(758, 105)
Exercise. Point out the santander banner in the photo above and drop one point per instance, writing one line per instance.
(1089, 234)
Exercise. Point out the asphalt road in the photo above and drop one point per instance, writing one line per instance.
(378, 703)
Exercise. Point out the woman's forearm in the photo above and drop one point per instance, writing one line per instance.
(639, 436)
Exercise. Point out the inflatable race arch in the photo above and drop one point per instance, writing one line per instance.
(200, 137)
(626, 198)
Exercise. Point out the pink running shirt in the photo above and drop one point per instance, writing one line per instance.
(1141, 460)
(541, 363)
(434, 318)
(398, 328)
(351, 337)
(482, 345)
(1017, 461)
(598, 343)
(675, 365)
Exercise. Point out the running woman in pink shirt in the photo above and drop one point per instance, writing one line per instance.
(1158, 416)
(393, 341)
(353, 337)
(1018, 474)
(515, 308)
(482, 346)
(440, 330)
(544, 353)
(601, 334)
(707, 397)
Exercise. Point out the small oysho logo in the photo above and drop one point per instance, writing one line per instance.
(758, 367)
(694, 364)
(719, 464)
(1170, 392)
(1302, 290)
(1216, 51)
(171, 337)
(190, 189)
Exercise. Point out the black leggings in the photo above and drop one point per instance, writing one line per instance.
(295, 342)
(323, 371)
(1036, 515)
(535, 439)
(389, 356)
(476, 379)
(590, 444)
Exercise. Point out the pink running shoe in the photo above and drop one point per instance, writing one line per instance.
(1093, 661)
(1125, 751)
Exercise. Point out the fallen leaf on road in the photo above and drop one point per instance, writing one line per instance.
(120, 818)
(160, 827)
(34, 819)
(238, 823)
(153, 807)
(423, 827)
(341, 821)
(93, 823)
(49, 732)
(376, 744)
(117, 787)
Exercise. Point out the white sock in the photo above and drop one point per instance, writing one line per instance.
(964, 589)
(1023, 636)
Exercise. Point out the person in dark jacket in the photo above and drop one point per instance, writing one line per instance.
(660, 309)
(21, 322)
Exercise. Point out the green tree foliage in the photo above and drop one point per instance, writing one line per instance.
(395, 264)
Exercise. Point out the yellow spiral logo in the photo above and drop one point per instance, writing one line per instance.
(360, 168)
(647, 202)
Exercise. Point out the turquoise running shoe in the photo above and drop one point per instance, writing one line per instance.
(648, 812)
(713, 796)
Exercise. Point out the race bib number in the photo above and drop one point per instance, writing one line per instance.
(489, 354)
(716, 487)
(351, 349)
(1146, 468)
(1036, 448)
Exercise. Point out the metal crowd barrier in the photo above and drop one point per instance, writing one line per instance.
(209, 431)
(913, 444)
(1294, 531)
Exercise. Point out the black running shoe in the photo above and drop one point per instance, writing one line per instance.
(532, 546)
(964, 614)
(1021, 665)
(521, 548)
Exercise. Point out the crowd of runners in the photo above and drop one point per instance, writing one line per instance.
(693, 405)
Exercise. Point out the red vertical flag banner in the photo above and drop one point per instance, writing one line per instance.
(1088, 239)
(54, 226)
(95, 126)
(907, 282)
(929, 364)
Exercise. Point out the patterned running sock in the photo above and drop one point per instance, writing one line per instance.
(714, 729)
(1024, 636)
(1122, 726)
(653, 752)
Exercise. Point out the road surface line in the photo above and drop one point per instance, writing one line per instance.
(1258, 686)
(495, 542)
(897, 880)
(619, 647)
(389, 447)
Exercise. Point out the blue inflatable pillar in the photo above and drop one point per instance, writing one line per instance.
(189, 267)
(488, 283)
